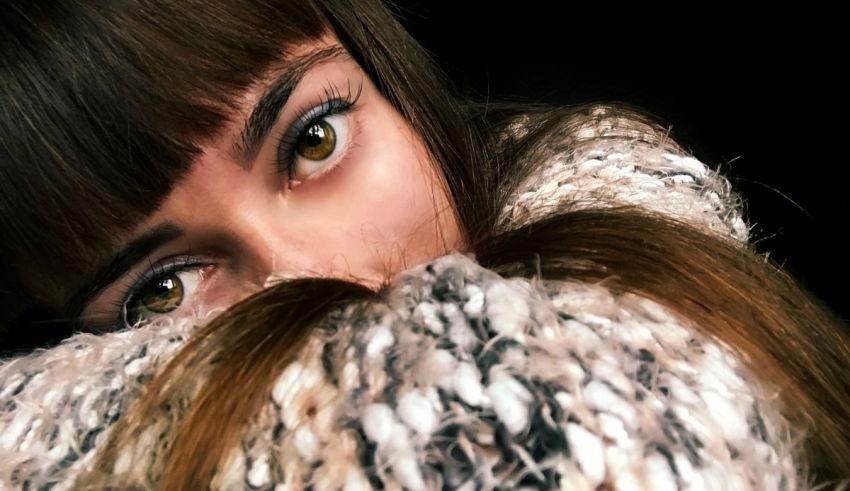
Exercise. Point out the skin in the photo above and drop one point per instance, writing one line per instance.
(376, 206)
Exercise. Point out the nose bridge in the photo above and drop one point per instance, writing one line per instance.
(260, 232)
(245, 209)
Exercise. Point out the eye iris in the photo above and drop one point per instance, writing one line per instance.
(164, 295)
(317, 142)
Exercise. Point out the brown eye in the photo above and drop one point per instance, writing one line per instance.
(318, 148)
(163, 295)
(317, 142)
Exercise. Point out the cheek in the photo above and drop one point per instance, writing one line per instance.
(397, 190)
(379, 207)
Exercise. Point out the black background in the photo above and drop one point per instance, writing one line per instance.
(760, 93)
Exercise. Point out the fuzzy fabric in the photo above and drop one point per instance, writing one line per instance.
(457, 378)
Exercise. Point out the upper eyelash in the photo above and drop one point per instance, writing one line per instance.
(331, 93)
(306, 116)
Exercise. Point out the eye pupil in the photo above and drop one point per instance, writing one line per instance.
(163, 295)
(315, 135)
(317, 142)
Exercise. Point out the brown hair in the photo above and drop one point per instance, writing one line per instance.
(732, 294)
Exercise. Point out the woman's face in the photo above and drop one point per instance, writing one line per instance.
(317, 175)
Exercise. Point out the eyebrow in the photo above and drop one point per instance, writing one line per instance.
(133, 253)
(265, 113)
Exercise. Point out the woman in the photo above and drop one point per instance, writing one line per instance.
(606, 327)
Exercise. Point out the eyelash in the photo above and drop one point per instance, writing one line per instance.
(333, 103)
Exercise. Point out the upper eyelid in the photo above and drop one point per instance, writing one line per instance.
(330, 91)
